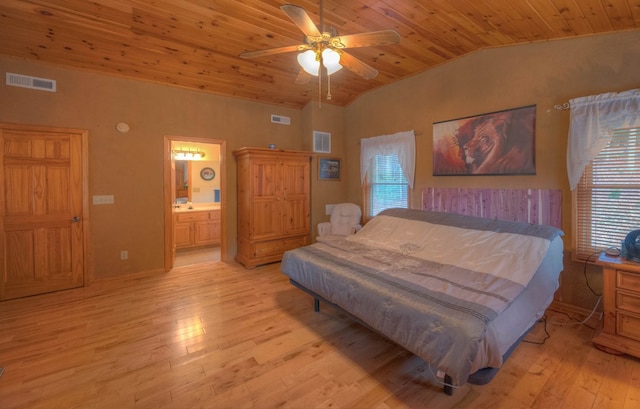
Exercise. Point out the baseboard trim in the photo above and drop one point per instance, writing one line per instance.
(581, 313)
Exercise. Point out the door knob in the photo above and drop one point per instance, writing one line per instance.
(75, 219)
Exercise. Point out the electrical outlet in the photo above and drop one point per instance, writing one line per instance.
(124, 254)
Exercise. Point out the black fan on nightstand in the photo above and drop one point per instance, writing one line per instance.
(631, 246)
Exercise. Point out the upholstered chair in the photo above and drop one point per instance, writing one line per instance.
(345, 220)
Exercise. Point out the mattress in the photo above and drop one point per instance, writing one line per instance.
(457, 291)
(508, 327)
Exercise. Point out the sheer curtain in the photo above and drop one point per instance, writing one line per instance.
(593, 120)
(402, 144)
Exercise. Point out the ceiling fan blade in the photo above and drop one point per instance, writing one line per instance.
(353, 64)
(370, 39)
(302, 20)
(303, 77)
(271, 51)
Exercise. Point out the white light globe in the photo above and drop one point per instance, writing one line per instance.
(308, 62)
(331, 60)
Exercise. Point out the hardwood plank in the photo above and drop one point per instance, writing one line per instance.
(217, 335)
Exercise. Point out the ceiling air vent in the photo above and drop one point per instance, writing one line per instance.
(25, 81)
(321, 142)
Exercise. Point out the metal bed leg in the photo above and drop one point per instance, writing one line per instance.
(448, 389)
(316, 304)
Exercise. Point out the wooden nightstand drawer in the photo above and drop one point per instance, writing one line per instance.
(628, 325)
(627, 300)
(627, 280)
(620, 332)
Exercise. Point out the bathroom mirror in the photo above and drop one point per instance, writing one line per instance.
(190, 187)
(182, 181)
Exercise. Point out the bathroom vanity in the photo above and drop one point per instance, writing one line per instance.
(196, 227)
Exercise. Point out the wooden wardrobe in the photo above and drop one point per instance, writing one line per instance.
(274, 208)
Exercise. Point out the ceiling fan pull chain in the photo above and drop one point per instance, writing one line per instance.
(320, 86)
(328, 87)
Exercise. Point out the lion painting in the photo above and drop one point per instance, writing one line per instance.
(490, 144)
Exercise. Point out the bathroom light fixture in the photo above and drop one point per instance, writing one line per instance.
(310, 61)
(187, 154)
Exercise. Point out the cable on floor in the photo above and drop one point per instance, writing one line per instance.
(547, 335)
(577, 322)
(584, 272)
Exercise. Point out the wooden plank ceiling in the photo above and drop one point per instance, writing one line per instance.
(195, 43)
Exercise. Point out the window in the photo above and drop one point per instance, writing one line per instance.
(387, 169)
(607, 196)
(388, 187)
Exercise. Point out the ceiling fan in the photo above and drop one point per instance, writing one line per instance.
(326, 49)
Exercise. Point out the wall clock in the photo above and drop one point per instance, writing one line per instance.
(207, 173)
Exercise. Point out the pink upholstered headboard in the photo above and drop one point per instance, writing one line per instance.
(537, 206)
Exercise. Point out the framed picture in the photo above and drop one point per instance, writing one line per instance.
(497, 143)
(207, 174)
(328, 169)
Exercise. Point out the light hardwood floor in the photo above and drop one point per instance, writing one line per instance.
(218, 336)
(197, 256)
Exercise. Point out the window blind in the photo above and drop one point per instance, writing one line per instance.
(608, 195)
(388, 185)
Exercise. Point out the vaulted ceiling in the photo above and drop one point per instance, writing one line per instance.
(196, 43)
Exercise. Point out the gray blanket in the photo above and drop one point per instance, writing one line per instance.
(399, 277)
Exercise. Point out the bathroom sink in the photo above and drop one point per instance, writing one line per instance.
(196, 207)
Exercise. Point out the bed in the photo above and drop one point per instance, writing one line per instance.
(458, 291)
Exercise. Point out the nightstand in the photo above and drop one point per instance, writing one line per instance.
(620, 331)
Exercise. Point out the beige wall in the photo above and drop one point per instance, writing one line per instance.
(319, 116)
(543, 74)
(129, 166)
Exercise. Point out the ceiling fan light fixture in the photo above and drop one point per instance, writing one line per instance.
(331, 60)
(327, 48)
(309, 62)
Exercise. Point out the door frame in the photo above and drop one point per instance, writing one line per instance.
(169, 251)
(84, 151)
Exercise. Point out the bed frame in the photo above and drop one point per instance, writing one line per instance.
(536, 206)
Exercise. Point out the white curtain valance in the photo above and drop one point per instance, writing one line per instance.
(402, 144)
(593, 120)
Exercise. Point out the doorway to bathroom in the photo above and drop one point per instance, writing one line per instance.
(194, 197)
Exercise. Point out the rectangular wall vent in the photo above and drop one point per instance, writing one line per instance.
(25, 81)
(321, 142)
(277, 119)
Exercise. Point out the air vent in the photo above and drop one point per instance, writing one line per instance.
(321, 142)
(277, 119)
(25, 81)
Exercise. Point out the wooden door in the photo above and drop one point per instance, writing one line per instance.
(266, 200)
(182, 235)
(295, 194)
(206, 233)
(41, 213)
